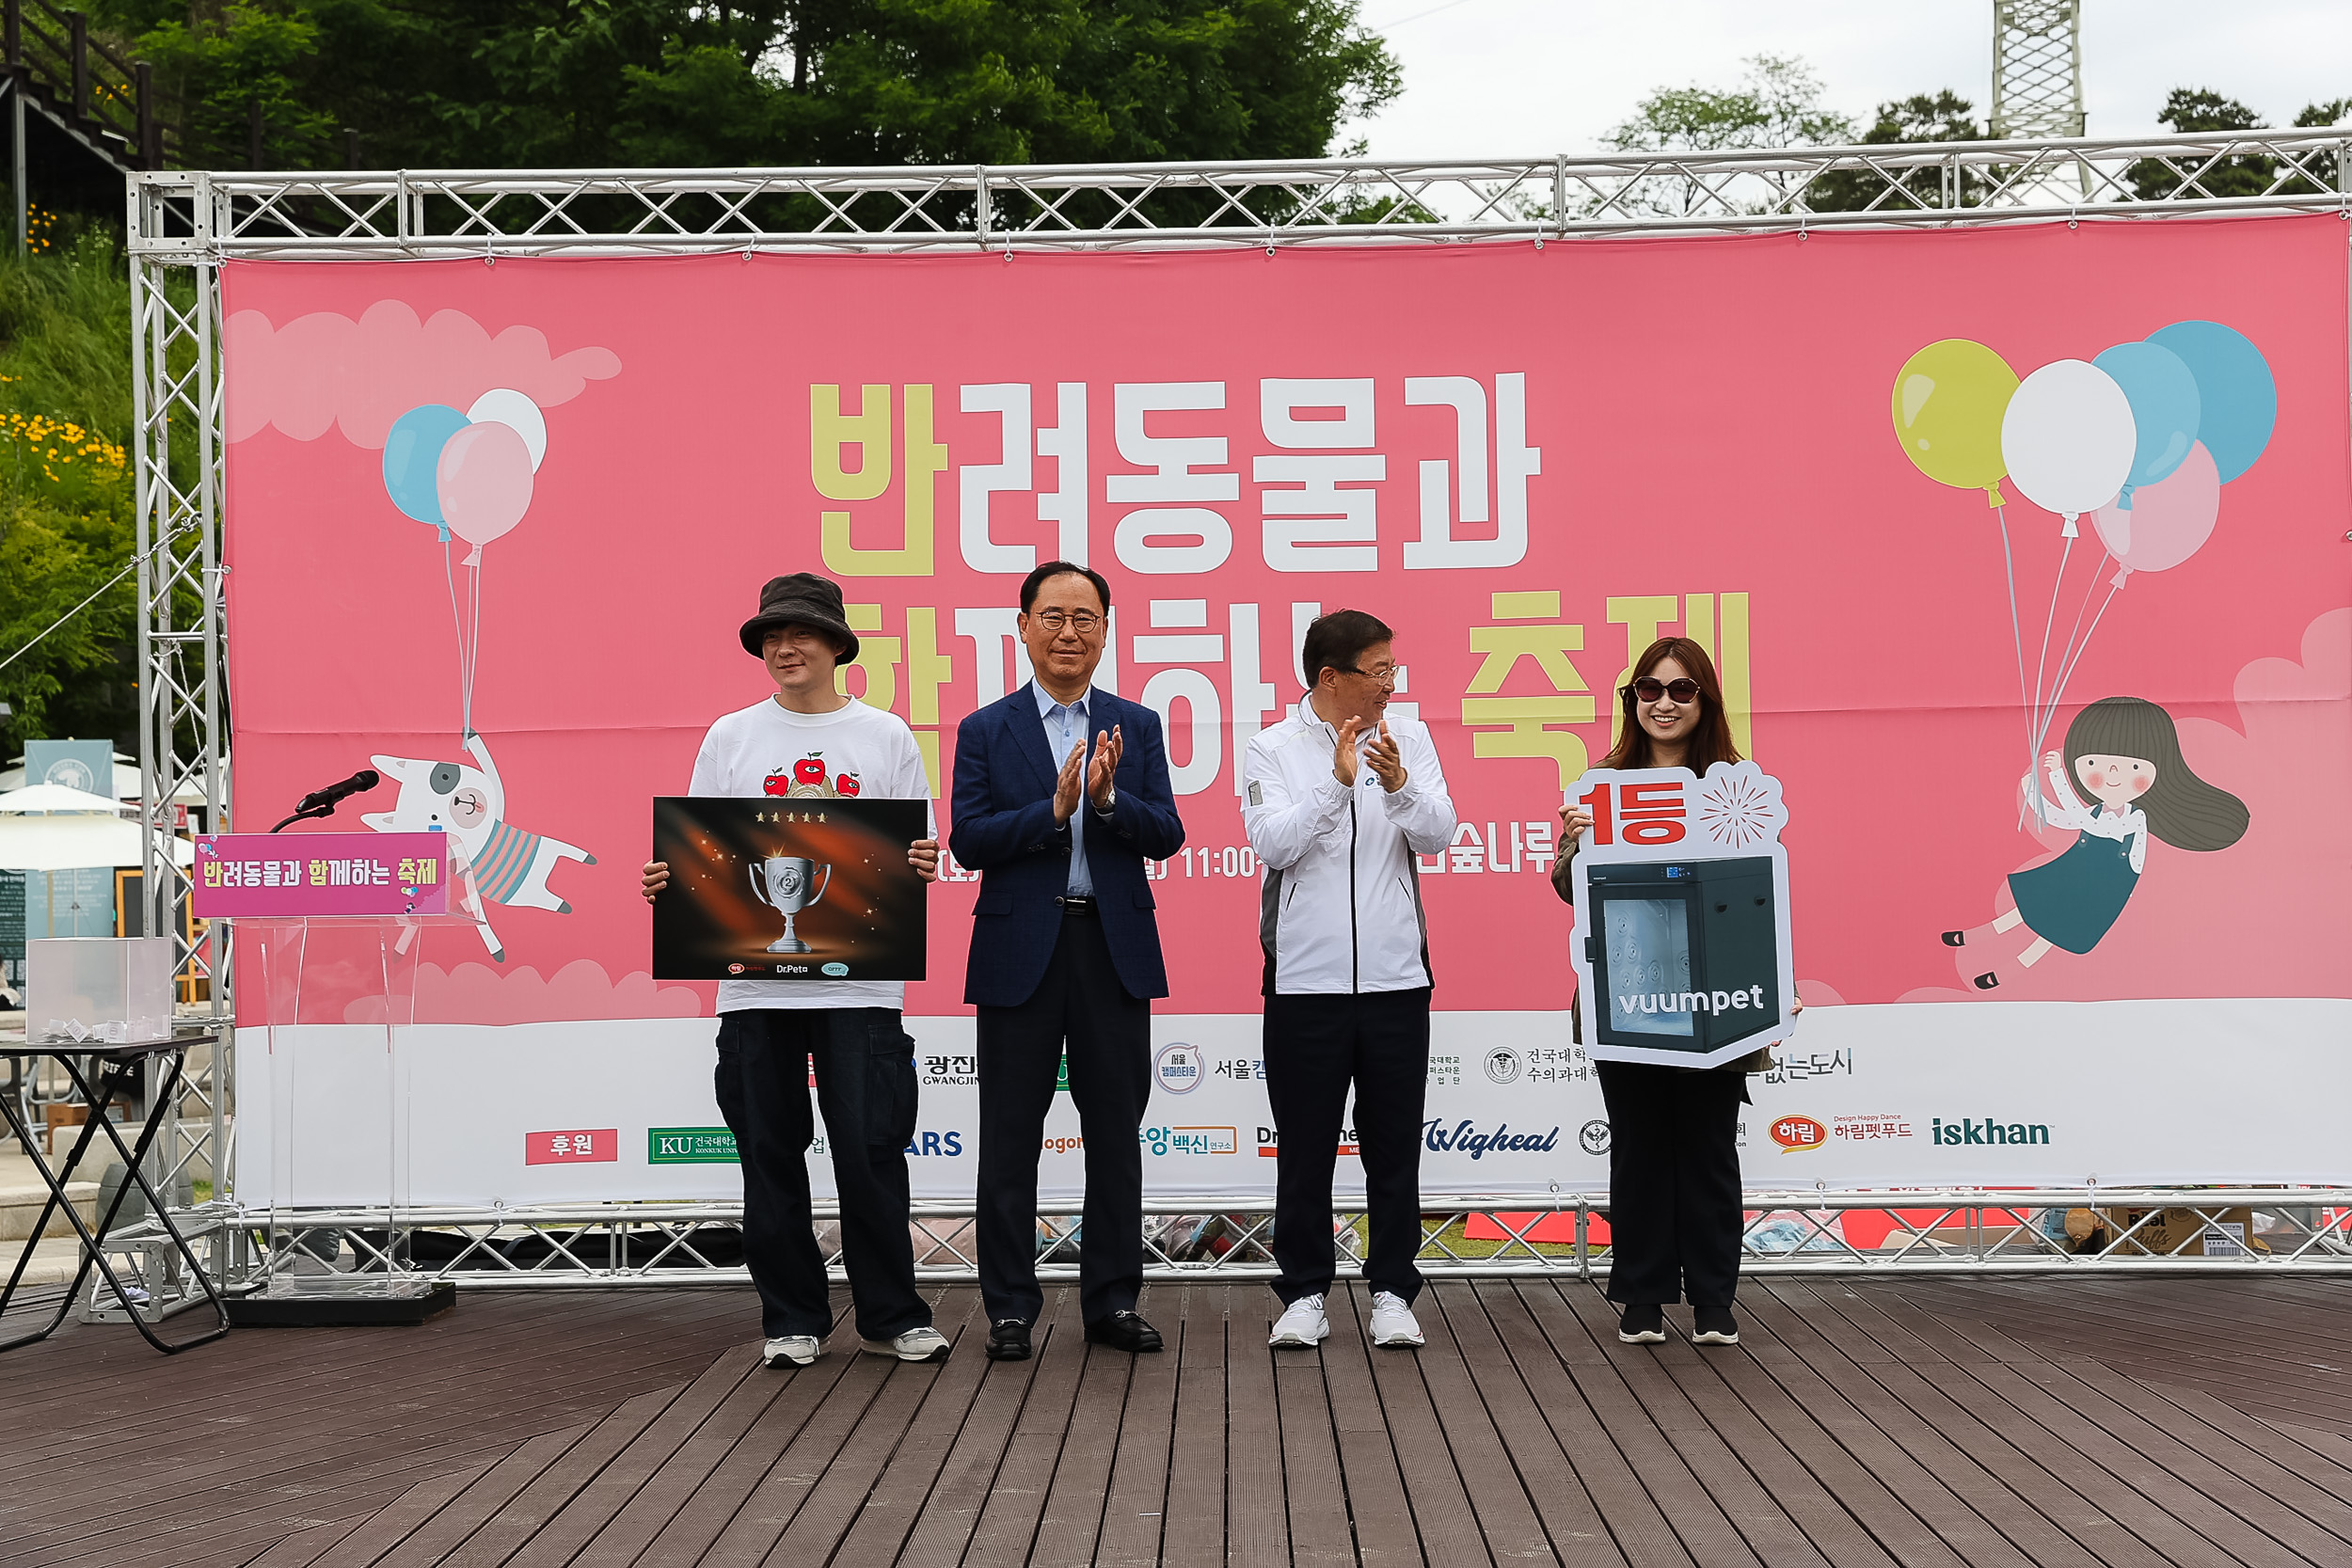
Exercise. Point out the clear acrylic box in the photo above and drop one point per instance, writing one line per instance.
(99, 990)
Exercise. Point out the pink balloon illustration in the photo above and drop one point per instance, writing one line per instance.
(2168, 521)
(485, 483)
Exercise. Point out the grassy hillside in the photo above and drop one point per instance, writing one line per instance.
(66, 491)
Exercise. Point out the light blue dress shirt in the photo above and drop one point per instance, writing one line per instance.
(1066, 726)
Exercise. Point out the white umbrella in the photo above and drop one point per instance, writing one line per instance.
(49, 797)
(71, 841)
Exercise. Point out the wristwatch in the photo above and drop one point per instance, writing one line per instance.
(1104, 808)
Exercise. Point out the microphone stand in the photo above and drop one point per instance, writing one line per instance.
(326, 810)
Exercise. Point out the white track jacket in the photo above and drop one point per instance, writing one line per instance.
(1341, 904)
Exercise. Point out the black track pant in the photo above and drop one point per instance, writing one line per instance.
(1315, 1047)
(865, 1085)
(1081, 1005)
(1674, 1182)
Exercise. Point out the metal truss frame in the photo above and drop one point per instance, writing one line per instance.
(184, 226)
(1945, 1231)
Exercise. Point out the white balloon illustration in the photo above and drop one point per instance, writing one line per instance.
(506, 406)
(2068, 438)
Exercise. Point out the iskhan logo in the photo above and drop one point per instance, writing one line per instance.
(1503, 1065)
(1990, 1132)
(1795, 1135)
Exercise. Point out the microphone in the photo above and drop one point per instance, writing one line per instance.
(322, 800)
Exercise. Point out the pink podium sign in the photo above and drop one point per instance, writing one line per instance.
(322, 873)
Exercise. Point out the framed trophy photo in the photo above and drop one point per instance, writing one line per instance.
(786, 889)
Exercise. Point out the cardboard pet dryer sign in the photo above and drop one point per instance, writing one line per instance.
(1681, 936)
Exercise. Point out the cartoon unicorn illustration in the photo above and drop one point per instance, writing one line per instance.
(510, 865)
(2123, 757)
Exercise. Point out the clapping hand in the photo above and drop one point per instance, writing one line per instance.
(1385, 760)
(1343, 754)
(1104, 768)
(1068, 783)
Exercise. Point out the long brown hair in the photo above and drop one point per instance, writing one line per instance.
(1710, 737)
(2183, 809)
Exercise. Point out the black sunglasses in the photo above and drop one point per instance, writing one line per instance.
(1649, 689)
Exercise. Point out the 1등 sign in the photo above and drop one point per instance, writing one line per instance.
(787, 890)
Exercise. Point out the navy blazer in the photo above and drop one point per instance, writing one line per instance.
(1003, 827)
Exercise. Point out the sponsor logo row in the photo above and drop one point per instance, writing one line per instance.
(1794, 1134)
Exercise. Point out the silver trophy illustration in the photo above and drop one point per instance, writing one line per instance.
(784, 888)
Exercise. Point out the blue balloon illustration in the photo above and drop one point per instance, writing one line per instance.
(2238, 402)
(412, 456)
(2165, 407)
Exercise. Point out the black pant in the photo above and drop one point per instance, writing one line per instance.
(1674, 1182)
(865, 1085)
(1314, 1047)
(1108, 1032)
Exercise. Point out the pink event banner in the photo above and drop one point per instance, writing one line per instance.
(321, 873)
(1973, 521)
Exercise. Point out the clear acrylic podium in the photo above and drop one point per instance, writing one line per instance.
(338, 995)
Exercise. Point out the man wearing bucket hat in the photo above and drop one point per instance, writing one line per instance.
(808, 739)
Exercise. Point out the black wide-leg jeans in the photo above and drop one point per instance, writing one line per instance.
(867, 1088)
(1315, 1047)
(1674, 1182)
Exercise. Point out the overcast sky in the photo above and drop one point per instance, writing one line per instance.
(1509, 78)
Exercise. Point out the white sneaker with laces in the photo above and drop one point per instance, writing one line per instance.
(1392, 1322)
(1302, 1324)
(916, 1345)
(792, 1350)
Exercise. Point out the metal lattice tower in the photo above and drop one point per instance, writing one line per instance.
(2037, 69)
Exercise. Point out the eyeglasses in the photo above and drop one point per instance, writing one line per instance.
(1649, 689)
(1383, 676)
(1080, 621)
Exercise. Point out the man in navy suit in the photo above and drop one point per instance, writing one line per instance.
(1065, 951)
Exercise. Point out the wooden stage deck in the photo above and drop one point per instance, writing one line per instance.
(1927, 1423)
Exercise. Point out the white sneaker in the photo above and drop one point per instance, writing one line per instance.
(793, 1350)
(1302, 1324)
(1392, 1322)
(916, 1345)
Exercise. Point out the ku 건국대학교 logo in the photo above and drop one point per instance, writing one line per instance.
(1503, 1065)
(1593, 1137)
(1178, 1068)
(1795, 1135)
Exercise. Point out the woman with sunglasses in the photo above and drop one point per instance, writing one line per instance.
(1674, 1158)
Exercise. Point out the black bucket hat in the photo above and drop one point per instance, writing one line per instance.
(802, 599)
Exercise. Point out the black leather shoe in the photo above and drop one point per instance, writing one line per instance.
(1009, 1339)
(1123, 1331)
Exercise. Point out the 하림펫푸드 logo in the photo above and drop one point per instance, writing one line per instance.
(1989, 1132)
(1467, 1137)
(1503, 1065)
(1795, 1135)
(1177, 1067)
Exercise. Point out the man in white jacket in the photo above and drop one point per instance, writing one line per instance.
(1339, 799)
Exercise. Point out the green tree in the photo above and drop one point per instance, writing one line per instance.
(664, 83)
(2322, 165)
(1778, 105)
(2202, 109)
(1922, 118)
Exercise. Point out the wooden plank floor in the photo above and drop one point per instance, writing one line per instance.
(1914, 1423)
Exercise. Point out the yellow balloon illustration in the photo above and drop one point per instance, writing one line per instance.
(1948, 404)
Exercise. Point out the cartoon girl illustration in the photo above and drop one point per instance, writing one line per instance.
(2123, 755)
